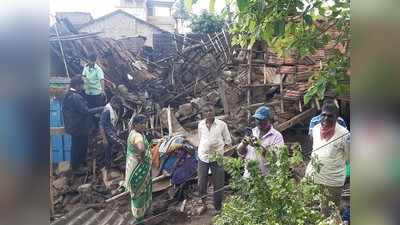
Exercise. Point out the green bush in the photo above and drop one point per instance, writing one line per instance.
(275, 199)
(206, 23)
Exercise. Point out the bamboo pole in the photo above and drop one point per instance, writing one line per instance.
(281, 90)
(250, 55)
(209, 37)
(62, 50)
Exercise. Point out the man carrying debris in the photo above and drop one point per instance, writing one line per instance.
(213, 136)
(268, 136)
(138, 179)
(76, 119)
(330, 150)
(108, 131)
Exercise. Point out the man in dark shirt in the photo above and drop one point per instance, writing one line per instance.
(108, 129)
(77, 121)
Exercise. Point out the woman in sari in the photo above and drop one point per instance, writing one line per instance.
(138, 180)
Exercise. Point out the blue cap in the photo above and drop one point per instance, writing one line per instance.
(262, 113)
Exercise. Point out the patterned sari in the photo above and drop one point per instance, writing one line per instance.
(138, 179)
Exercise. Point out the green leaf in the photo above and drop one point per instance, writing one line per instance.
(252, 26)
(322, 11)
(308, 19)
(242, 4)
(279, 28)
(335, 13)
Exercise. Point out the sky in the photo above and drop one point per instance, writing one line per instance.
(99, 8)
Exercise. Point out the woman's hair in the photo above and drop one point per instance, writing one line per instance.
(137, 119)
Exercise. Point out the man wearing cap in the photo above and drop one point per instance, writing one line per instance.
(268, 136)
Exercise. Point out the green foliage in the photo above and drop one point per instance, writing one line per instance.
(332, 75)
(291, 24)
(180, 11)
(189, 4)
(206, 23)
(276, 199)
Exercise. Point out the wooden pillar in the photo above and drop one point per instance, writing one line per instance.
(281, 90)
(51, 182)
(221, 87)
(250, 60)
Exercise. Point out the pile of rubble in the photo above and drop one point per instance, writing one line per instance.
(86, 189)
(172, 92)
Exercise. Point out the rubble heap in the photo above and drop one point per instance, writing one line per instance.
(201, 70)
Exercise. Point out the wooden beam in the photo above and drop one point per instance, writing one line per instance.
(227, 44)
(221, 87)
(264, 85)
(250, 58)
(209, 37)
(281, 90)
(261, 104)
(51, 183)
(298, 118)
(57, 130)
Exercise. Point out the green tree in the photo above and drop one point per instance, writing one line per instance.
(206, 23)
(292, 24)
(276, 199)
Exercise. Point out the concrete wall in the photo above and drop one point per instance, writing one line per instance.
(166, 23)
(120, 26)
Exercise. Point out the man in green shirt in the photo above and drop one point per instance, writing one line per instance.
(94, 82)
(94, 85)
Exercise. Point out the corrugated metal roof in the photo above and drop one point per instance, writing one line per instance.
(84, 216)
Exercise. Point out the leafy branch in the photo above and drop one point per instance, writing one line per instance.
(292, 24)
(275, 199)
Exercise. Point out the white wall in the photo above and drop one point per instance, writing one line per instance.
(166, 23)
(121, 26)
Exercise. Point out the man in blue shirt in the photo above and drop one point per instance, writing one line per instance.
(76, 115)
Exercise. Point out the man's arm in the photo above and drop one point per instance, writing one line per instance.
(101, 77)
(84, 72)
(279, 140)
(242, 148)
(347, 146)
(108, 131)
(80, 104)
(226, 135)
(199, 131)
(102, 86)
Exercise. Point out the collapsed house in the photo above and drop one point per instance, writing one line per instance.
(170, 83)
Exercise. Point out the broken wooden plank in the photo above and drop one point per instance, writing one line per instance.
(57, 131)
(223, 96)
(261, 104)
(298, 118)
